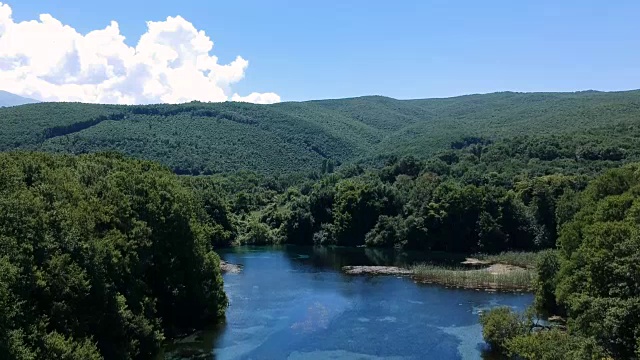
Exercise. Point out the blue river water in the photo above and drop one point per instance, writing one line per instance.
(294, 303)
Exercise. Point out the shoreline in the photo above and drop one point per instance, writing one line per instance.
(493, 277)
(226, 267)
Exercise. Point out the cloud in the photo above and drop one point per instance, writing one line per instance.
(47, 60)
(258, 98)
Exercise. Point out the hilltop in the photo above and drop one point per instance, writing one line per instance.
(204, 138)
(9, 99)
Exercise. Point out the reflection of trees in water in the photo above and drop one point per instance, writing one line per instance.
(325, 257)
(335, 257)
(247, 249)
(381, 257)
(194, 346)
(488, 354)
(324, 316)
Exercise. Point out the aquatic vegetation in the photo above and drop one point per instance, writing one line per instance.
(526, 259)
(501, 277)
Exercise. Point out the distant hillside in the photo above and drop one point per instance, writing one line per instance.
(9, 99)
(299, 136)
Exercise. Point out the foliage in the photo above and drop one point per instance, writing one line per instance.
(516, 279)
(358, 203)
(554, 345)
(547, 267)
(255, 233)
(213, 199)
(525, 259)
(316, 136)
(402, 204)
(396, 231)
(102, 257)
(522, 337)
(599, 276)
(593, 277)
(501, 324)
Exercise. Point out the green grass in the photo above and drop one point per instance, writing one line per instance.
(525, 259)
(475, 279)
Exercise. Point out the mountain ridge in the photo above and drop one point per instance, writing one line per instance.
(204, 138)
(10, 99)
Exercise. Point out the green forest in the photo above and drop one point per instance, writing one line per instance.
(102, 257)
(591, 280)
(110, 216)
(213, 138)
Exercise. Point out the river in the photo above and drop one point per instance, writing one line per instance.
(294, 303)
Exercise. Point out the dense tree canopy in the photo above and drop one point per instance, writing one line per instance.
(593, 279)
(406, 204)
(599, 278)
(520, 336)
(202, 138)
(101, 257)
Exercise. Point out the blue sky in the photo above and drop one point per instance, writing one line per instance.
(404, 49)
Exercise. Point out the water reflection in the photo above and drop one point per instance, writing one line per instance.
(335, 257)
(294, 303)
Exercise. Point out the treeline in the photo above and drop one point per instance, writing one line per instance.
(62, 130)
(479, 196)
(212, 138)
(103, 257)
(423, 212)
(592, 280)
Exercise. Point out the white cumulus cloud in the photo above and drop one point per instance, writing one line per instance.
(47, 60)
(258, 98)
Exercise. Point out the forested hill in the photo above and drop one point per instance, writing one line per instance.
(204, 138)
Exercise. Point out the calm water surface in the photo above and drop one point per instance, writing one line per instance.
(293, 303)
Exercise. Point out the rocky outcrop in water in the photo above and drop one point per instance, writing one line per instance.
(230, 268)
(376, 270)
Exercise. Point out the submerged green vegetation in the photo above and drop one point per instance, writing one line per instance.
(104, 256)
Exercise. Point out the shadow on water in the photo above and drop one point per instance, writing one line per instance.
(293, 302)
(335, 257)
(198, 345)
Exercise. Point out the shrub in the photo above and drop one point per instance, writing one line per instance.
(499, 325)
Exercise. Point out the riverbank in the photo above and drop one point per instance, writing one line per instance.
(295, 302)
(493, 277)
(471, 274)
(523, 259)
(230, 268)
(507, 271)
